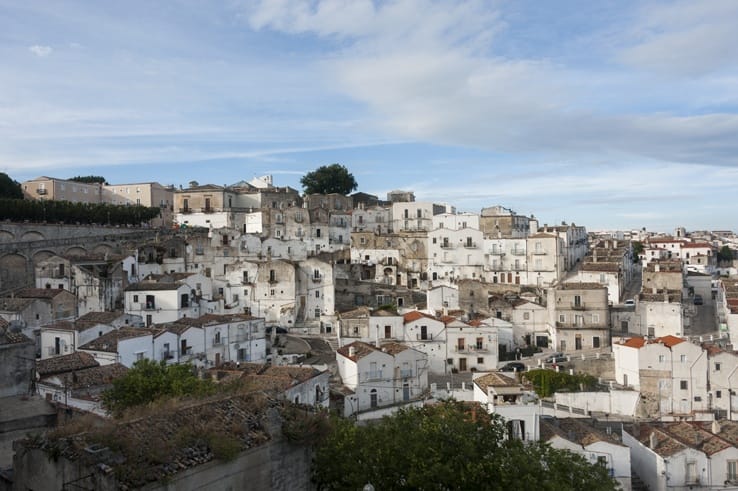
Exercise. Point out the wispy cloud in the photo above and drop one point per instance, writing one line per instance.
(40, 51)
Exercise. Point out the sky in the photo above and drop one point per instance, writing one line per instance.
(610, 114)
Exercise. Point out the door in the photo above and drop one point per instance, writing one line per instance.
(387, 331)
(462, 364)
(406, 392)
(149, 320)
(217, 359)
(578, 342)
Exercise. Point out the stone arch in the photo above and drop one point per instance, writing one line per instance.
(76, 251)
(6, 236)
(32, 235)
(42, 255)
(102, 249)
(15, 270)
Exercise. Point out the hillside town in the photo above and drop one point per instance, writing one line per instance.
(364, 305)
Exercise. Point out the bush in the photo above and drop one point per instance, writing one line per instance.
(547, 382)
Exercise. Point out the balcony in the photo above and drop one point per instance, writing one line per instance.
(185, 210)
(539, 252)
(581, 325)
(406, 373)
(167, 355)
(447, 245)
(471, 348)
(317, 279)
(427, 337)
(496, 252)
(518, 252)
(577, 306)
(372, 375)
(41, 191)
(470, 245)
(207, 209)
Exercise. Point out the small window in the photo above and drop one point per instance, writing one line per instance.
(683, 385)
(526, 316)
(662, 358)
(135, 299)
(317, 293)
(683, 358)
(450, 361)
(480, 361)
(717, 366)
(718, 394)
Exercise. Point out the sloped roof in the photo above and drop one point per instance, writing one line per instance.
(65, 363)
(415, 315)
(361, 350)
(108, 342)
(152, 286)
(40, 293)
(575, 431)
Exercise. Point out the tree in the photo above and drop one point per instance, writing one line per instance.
(637, 250)
(89, 179)
(725, 253)
(9, 188)
(148, 381)
(334, 178)
(446, 446)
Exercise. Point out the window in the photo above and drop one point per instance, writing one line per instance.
(317, 312)
(135, 299)
(717, 366)
(562, 318)
(317, 293)
(480, 361)
(577, 301)
(526, 316)
(216, 340)
(683, 358)
(732, 470)
(139, 356)
(683, 385)
(595, 318)
(423, 332)
(272, 275)
(596, 342)
(662, 358)
(450, 361)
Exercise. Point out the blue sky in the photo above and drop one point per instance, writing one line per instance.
(609, 114)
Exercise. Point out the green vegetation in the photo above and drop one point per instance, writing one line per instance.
(148, 381)
(89, 179)
(67, 212)
(327, 179)
(447, 446)
(9, 189)
(725, 254)
(637, 250)
(546, 382)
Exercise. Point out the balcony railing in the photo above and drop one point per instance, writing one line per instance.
(41, 191)
(580, 325)
(447, 245)
(373, 375)
(470, 245)
(406, 373)
(427, 337)
(539, 252)
(317, 279)
(496, 252)
(167, 355)
(578, 306)
(185, 210)
(471, 348)
(518, 252)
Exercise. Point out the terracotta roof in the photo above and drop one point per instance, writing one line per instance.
(65, 363)
(415, 315)
(92, 318)
(384, 313)
(357, 313)
(267, 377)
(575, 431)
(393, 348)
(361, 350)
(7, 336)
(494, 379)
(634, 342)
(151, 286)
(14, 304)
(89, 377)
(39, 293)
(695, 245)
(669, 340)
(600, 266)
(639, 342)
(581, 286)
(214, 319)
(108, 342)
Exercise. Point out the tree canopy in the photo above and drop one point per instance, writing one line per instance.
(725, 253)
(448, 446)
(53, 211)
(89, 179)
(148, 381)
(9, 189)
(334, 178)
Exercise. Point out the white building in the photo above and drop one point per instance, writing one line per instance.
(427, 334)
(507, 397)
(157, 303)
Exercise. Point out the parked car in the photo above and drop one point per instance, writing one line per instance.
(698, 300)
(513, 366)
(280, 330)
(555, 358)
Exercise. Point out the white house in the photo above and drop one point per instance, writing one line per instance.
(469, 346)
(507, 397)
(376, 377)
(160, 302)
(595, 446)
(670, 373)
(442, 297)
(80, 389)
(126, 345)
(427, 334)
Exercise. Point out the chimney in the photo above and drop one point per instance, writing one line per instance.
(715, 427)
(652, 441)
(352, 351)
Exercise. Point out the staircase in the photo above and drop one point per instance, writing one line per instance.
(332, 342)
(636, 483)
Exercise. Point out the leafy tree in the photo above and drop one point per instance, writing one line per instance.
(547, 382)
(89, 179)
(334, 178)
(148, 381)
(725, 253)
(637, 250)
(447, 446)
(9, 188)
(68, 212)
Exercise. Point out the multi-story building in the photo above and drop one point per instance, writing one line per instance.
(498, 222)
(53, 189)
(149, 194)
(579, 316)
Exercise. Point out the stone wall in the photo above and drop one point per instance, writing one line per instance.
(16, 364)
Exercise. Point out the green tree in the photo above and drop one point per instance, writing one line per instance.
(9, 188)
(334, 178)
(446, 446)
(148, 381)
(89, 179)
(637, 249)
(725, 253)
(547, 382)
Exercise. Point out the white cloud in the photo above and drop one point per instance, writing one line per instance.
(40, 51)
